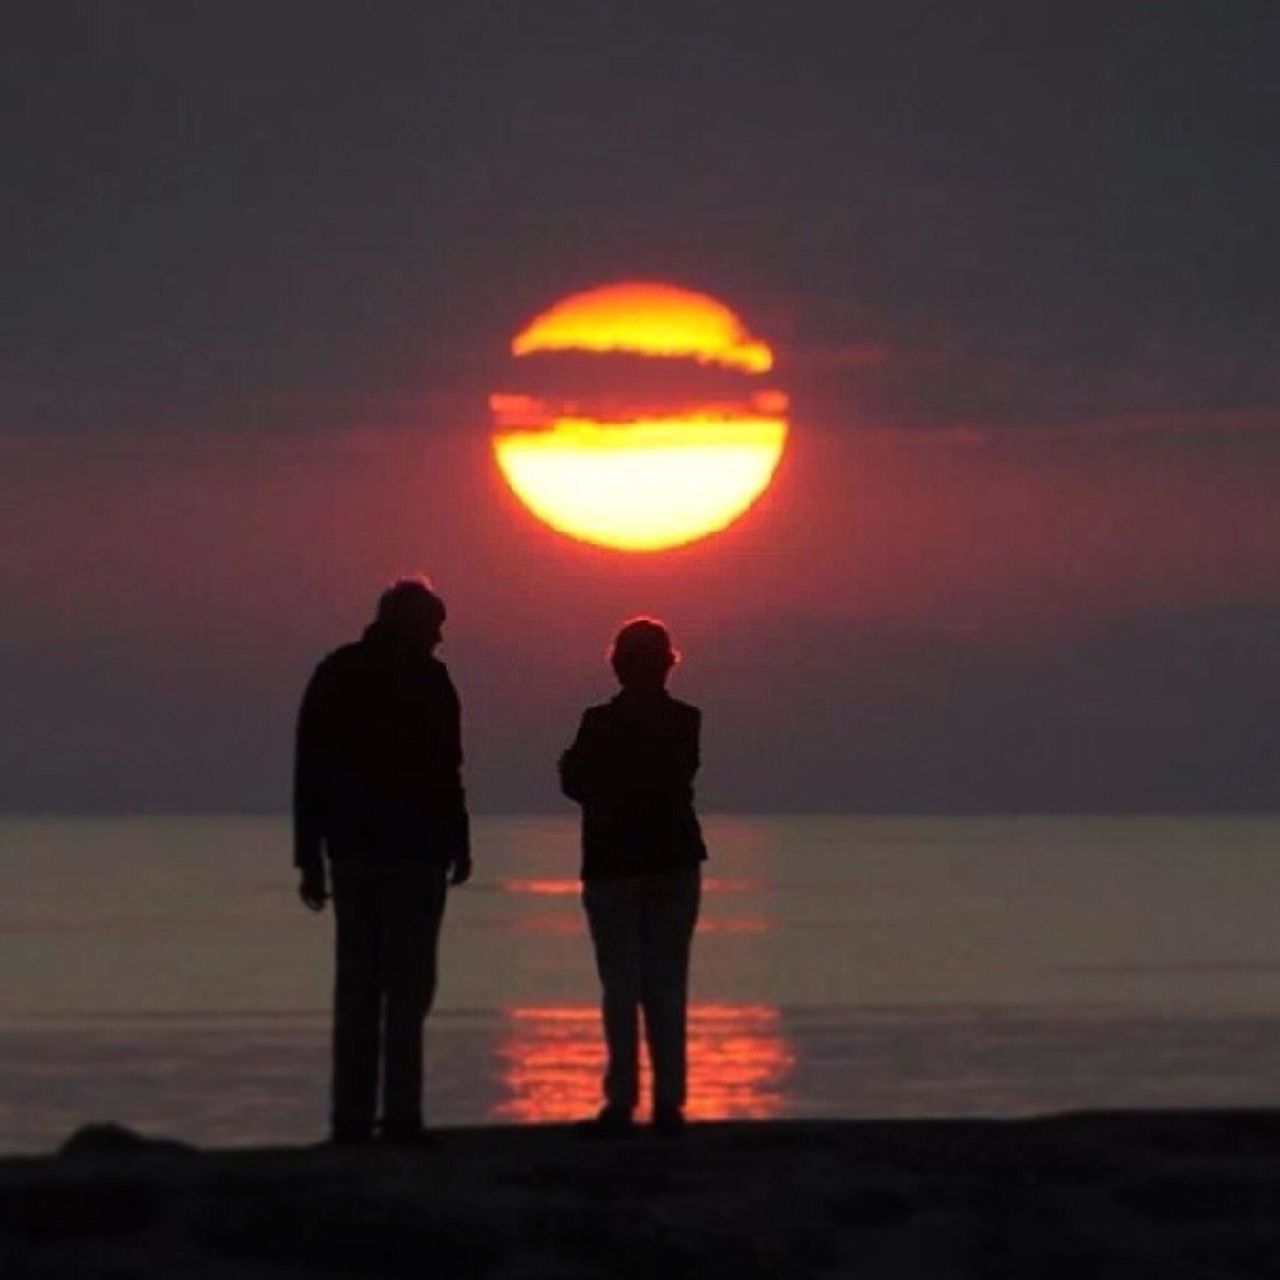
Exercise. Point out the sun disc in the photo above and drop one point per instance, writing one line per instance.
(641, 486)
(633, 476)
(646, 318)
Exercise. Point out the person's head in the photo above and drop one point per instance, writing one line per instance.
(641, 655)
(410, 613)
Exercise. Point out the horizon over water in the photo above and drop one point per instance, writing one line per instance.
(160, 972)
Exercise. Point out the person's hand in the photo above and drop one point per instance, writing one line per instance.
(313, 890)
(460, 868)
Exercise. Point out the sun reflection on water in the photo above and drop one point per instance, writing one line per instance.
(552, 1060)
(561, 886)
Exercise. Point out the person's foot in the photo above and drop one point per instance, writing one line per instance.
(409, 1133)
(347, 1137)
(610, 1122)
(668, 1122)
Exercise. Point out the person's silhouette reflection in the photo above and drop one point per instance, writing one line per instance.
(631, 768)
(378, 789)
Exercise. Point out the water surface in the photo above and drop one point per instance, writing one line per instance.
(160, 972)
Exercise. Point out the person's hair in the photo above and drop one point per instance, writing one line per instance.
(409, 604)
(641, 652)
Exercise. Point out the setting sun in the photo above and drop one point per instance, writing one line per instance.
(641, 477)
(649, 319)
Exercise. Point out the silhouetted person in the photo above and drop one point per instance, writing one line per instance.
(631, 768)
(378, 790)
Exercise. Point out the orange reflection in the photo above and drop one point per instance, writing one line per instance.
(553, 1059)
(562, 886)
(647, 318)
(543, 886)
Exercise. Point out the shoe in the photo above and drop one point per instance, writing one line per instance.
(349, 1138)
(400, 1134)
(668, 1122)
(611, 1122)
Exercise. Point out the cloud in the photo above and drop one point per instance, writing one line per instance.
(1186, 424)
(1149, 386)
(861, 353)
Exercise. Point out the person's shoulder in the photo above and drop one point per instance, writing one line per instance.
(343, 658)
(684, 711)
(600, 713)
(335, 675)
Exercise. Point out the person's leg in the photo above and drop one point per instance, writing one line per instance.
(670, 914)
(356, 1004)
(413, 907)
(613, 917)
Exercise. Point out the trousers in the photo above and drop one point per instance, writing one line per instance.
(642, 930)
(388, 929)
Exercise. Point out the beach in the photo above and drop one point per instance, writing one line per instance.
(1083, 1009)
(1159, 1194)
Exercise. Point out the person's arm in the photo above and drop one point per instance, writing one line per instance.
(690, 754)
(453, 794)
(664, 773)
(309, 784)
(577, 764)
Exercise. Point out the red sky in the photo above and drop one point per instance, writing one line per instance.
(1019, 266)
(165, 600)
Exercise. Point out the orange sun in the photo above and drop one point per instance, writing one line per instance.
(636, 475)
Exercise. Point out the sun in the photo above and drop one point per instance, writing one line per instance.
(642, 473)
(648, 318)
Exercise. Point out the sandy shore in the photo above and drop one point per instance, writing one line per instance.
(1170, 1195)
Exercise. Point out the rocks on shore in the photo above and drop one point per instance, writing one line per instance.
(1089, 1196)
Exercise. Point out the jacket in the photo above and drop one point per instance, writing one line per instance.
(377, 772)
(631, 768)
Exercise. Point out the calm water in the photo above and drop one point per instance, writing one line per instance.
(160, 972)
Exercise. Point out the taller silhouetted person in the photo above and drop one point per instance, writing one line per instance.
(631, 768)
(378, 795)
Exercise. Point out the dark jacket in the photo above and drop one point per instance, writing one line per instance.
(631, 768)
(379, 757)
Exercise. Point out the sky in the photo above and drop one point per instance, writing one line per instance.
(262, 265)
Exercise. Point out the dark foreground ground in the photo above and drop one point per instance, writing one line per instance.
(1088, 1197)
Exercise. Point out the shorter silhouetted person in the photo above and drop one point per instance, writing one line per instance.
(631, 768)
(378, 795)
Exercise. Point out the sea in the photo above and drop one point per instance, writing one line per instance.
(160, 972)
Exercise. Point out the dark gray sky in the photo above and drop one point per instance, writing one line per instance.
(261, 263)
